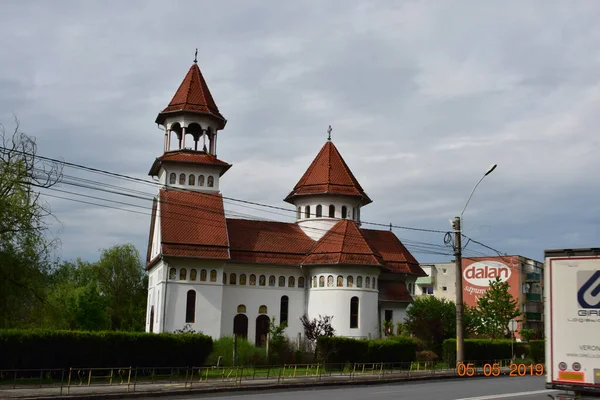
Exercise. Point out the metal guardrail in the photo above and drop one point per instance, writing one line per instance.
(131, 379)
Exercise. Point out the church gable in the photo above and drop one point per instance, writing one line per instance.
(395, 255)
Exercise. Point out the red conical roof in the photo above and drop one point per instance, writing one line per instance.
(192, 96)
(328, 174)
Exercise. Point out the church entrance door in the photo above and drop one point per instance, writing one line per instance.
(262, 330)
(240, 326)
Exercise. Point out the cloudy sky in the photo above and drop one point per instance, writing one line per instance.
(422, 97)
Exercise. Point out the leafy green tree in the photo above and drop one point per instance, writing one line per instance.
(24, 250)
(471, 321)
(496, 308)
(431, 320)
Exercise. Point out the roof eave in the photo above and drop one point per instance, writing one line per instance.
(158, 163)
(293, 195)
(160, 118)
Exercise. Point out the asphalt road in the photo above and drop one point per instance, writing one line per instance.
(518, 388)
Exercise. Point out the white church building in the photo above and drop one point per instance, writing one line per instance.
(224, 276)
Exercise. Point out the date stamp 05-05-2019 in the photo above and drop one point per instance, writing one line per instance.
(495, 370)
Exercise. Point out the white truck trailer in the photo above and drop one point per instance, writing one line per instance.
(572, 309)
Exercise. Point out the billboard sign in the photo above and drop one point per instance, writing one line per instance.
(477, 274)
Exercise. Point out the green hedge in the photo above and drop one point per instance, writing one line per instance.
(537, 350)
(484, 350)
(347, 350)
(35, 349)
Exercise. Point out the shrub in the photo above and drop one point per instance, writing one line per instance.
(247, 353)
(537, 350)
(398, 349)
(427, 355)
(341, 350)
(36, 349)
(483, 350)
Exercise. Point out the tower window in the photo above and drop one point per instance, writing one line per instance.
(291, 281)
(201, 180)
(182, 179)
(299, 213)
(344, 212)
(232, 279)
(301, 282)
(319, 211)
(182, 274)
(282, 281)
(331, 211)
(340, 281)
(307, 212)
(172, 178)
(354, 213)
(192, 180)
(283, 312)
(354, 312)
(211, 181)
(190, 307)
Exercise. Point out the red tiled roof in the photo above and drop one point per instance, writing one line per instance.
(394, 291)
(193, 96)
(328, 174)
(395, 255)
(344, 244)
(193, 225)
(267, 242)
(188, 157)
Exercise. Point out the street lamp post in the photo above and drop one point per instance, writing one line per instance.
(456, 225)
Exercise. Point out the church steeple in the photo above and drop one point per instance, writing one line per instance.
(191, 114)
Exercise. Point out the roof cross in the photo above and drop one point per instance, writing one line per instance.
(329, 132)
(196, 57)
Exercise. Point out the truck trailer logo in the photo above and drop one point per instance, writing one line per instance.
(588, 294)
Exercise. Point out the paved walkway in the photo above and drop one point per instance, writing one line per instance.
(245, 383)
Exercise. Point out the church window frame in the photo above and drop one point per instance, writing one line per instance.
(359, 281)
(262, 280)
(173, 178)
(299, 213)
(252, 280)
(193, 274)
(350, 281)
(374, 283)
(319, 211)
(213, 275)
(331, 211)
(368, 282)
(354, 312)
(330, 281)
(182, 274)
(192, 180)
(284, 308)
(262, 309)
(321, 281)
(314, 281)
(182, 179)
(272, 281)
(243, 279)
(344, 212)
(200, 180)
(232, 279)
(241, 309)
(282, 281)
(307, 212)
(210, 182)
(172, 274)
(301, 282)
(190, 307)
(224, 279)
(291, 282)
(203, 275)
(340, 281)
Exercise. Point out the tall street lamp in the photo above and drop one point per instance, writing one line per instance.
(456, 225)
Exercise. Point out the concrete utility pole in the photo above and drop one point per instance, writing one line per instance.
(457, 226)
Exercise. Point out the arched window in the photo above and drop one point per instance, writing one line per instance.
(193, 274)
(203, 275)
(374, 283)
(243, 279)
(283, 312)
(299, 213)
(192, 180)
(307, 212)
(359, 281)
(330, 281)
(301, 282)
(213, 275)
(321, 281)
(201, 180)
(319, 211)
(252, 280)
(172, 178)
(182, 179)
(241, 309)
(172, 273)
(340, 281)
(350, 281)
(262, 309)
(314, 282)
(232, 279)
(182, 274)
(354, 312)
(210, 181)
(344, 212)
(224, 278)
(190, 307)
(368, 282)
(272, 280)
(262, 280)
(282, 281)
(291, 281)
(331, 211)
